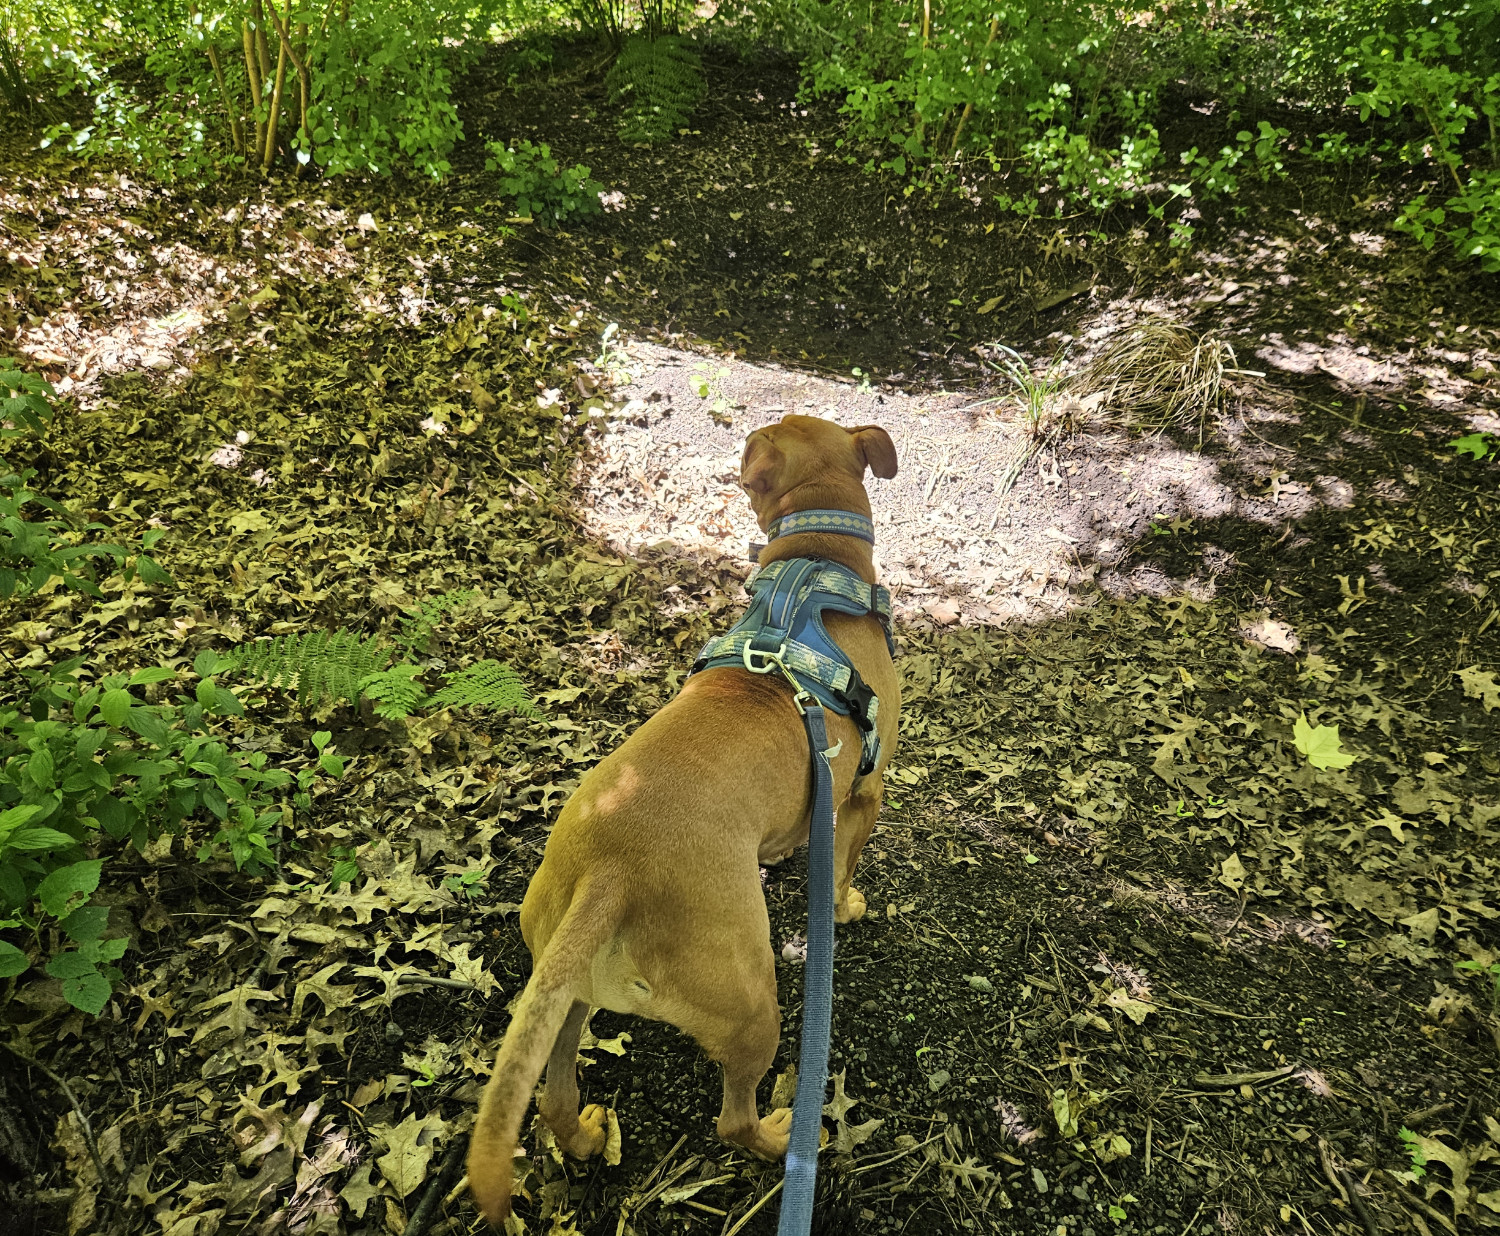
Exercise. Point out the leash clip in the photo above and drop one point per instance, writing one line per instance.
(758, 661)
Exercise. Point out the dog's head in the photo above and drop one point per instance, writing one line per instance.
(825, 462)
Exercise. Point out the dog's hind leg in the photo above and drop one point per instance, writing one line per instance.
(581, 1135)
(856, 818)
(745, 1054)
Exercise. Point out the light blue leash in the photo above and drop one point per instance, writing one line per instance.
(817, 991)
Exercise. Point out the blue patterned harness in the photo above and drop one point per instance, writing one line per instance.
(783, 630)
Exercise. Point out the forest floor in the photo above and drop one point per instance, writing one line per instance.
(1133, 963)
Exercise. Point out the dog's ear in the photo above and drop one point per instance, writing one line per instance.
(760, 464)
(876, 449)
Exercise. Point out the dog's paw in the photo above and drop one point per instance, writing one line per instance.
(592, 1130)
(775, 1131)
(853, 907)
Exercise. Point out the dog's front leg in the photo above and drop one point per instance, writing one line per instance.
(581, 1135)
(856, 819)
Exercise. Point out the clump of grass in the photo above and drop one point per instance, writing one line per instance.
(1049, 411)
(1158, 375)
(1154, 376)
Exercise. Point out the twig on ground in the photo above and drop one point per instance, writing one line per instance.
(83, 1119)
(1361, 1207)
(427, 1208)
(1275, 446)
(431, 980)
(750, 1214)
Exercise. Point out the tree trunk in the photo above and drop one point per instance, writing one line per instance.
(969, 106)
(275, 110)
(236, 134)
(252, 71)
(299, 62)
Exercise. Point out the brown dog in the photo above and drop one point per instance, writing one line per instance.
(648, 899)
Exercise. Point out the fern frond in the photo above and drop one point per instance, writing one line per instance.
(318, 666)
(395, 692)
(659, 82)
(487, 684)
(417, 627)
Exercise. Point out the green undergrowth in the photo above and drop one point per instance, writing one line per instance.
(384, 467)
(656, 83)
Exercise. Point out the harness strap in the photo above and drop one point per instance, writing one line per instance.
(817, 992)
(799, 658)
(875, 601)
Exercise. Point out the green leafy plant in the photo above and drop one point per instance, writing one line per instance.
(1492, 972)
(657, 82)
(486, 684)
(543, 189)
(469, 885)
(318, 666)
(344, 665)
(417, 629)
(352, 88)
(86, 761)
(345, 866)
(1420, 74)
(1413, 1145)
(1047, 414)
(1477, 445)
(613, 360)
(81, 766)
(707, 380)
(23, 400)
(40, 539)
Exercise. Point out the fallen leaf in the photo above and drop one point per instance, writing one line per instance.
(612, 1138)
(1269, 633)
(409, 1148)
(1480, 685)
(1320, 744)
(1136, 1010)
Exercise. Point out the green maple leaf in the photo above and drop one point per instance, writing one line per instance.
(1475, 444)
(1320, 744)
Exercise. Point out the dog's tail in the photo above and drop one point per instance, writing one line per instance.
(590, 920)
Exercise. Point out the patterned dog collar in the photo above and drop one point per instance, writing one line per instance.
(845, 523)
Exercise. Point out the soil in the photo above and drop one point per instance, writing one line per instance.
(1132, 965)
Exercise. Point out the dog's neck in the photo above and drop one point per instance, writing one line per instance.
(850, 551)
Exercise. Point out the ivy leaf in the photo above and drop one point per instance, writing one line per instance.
(1320, 744)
